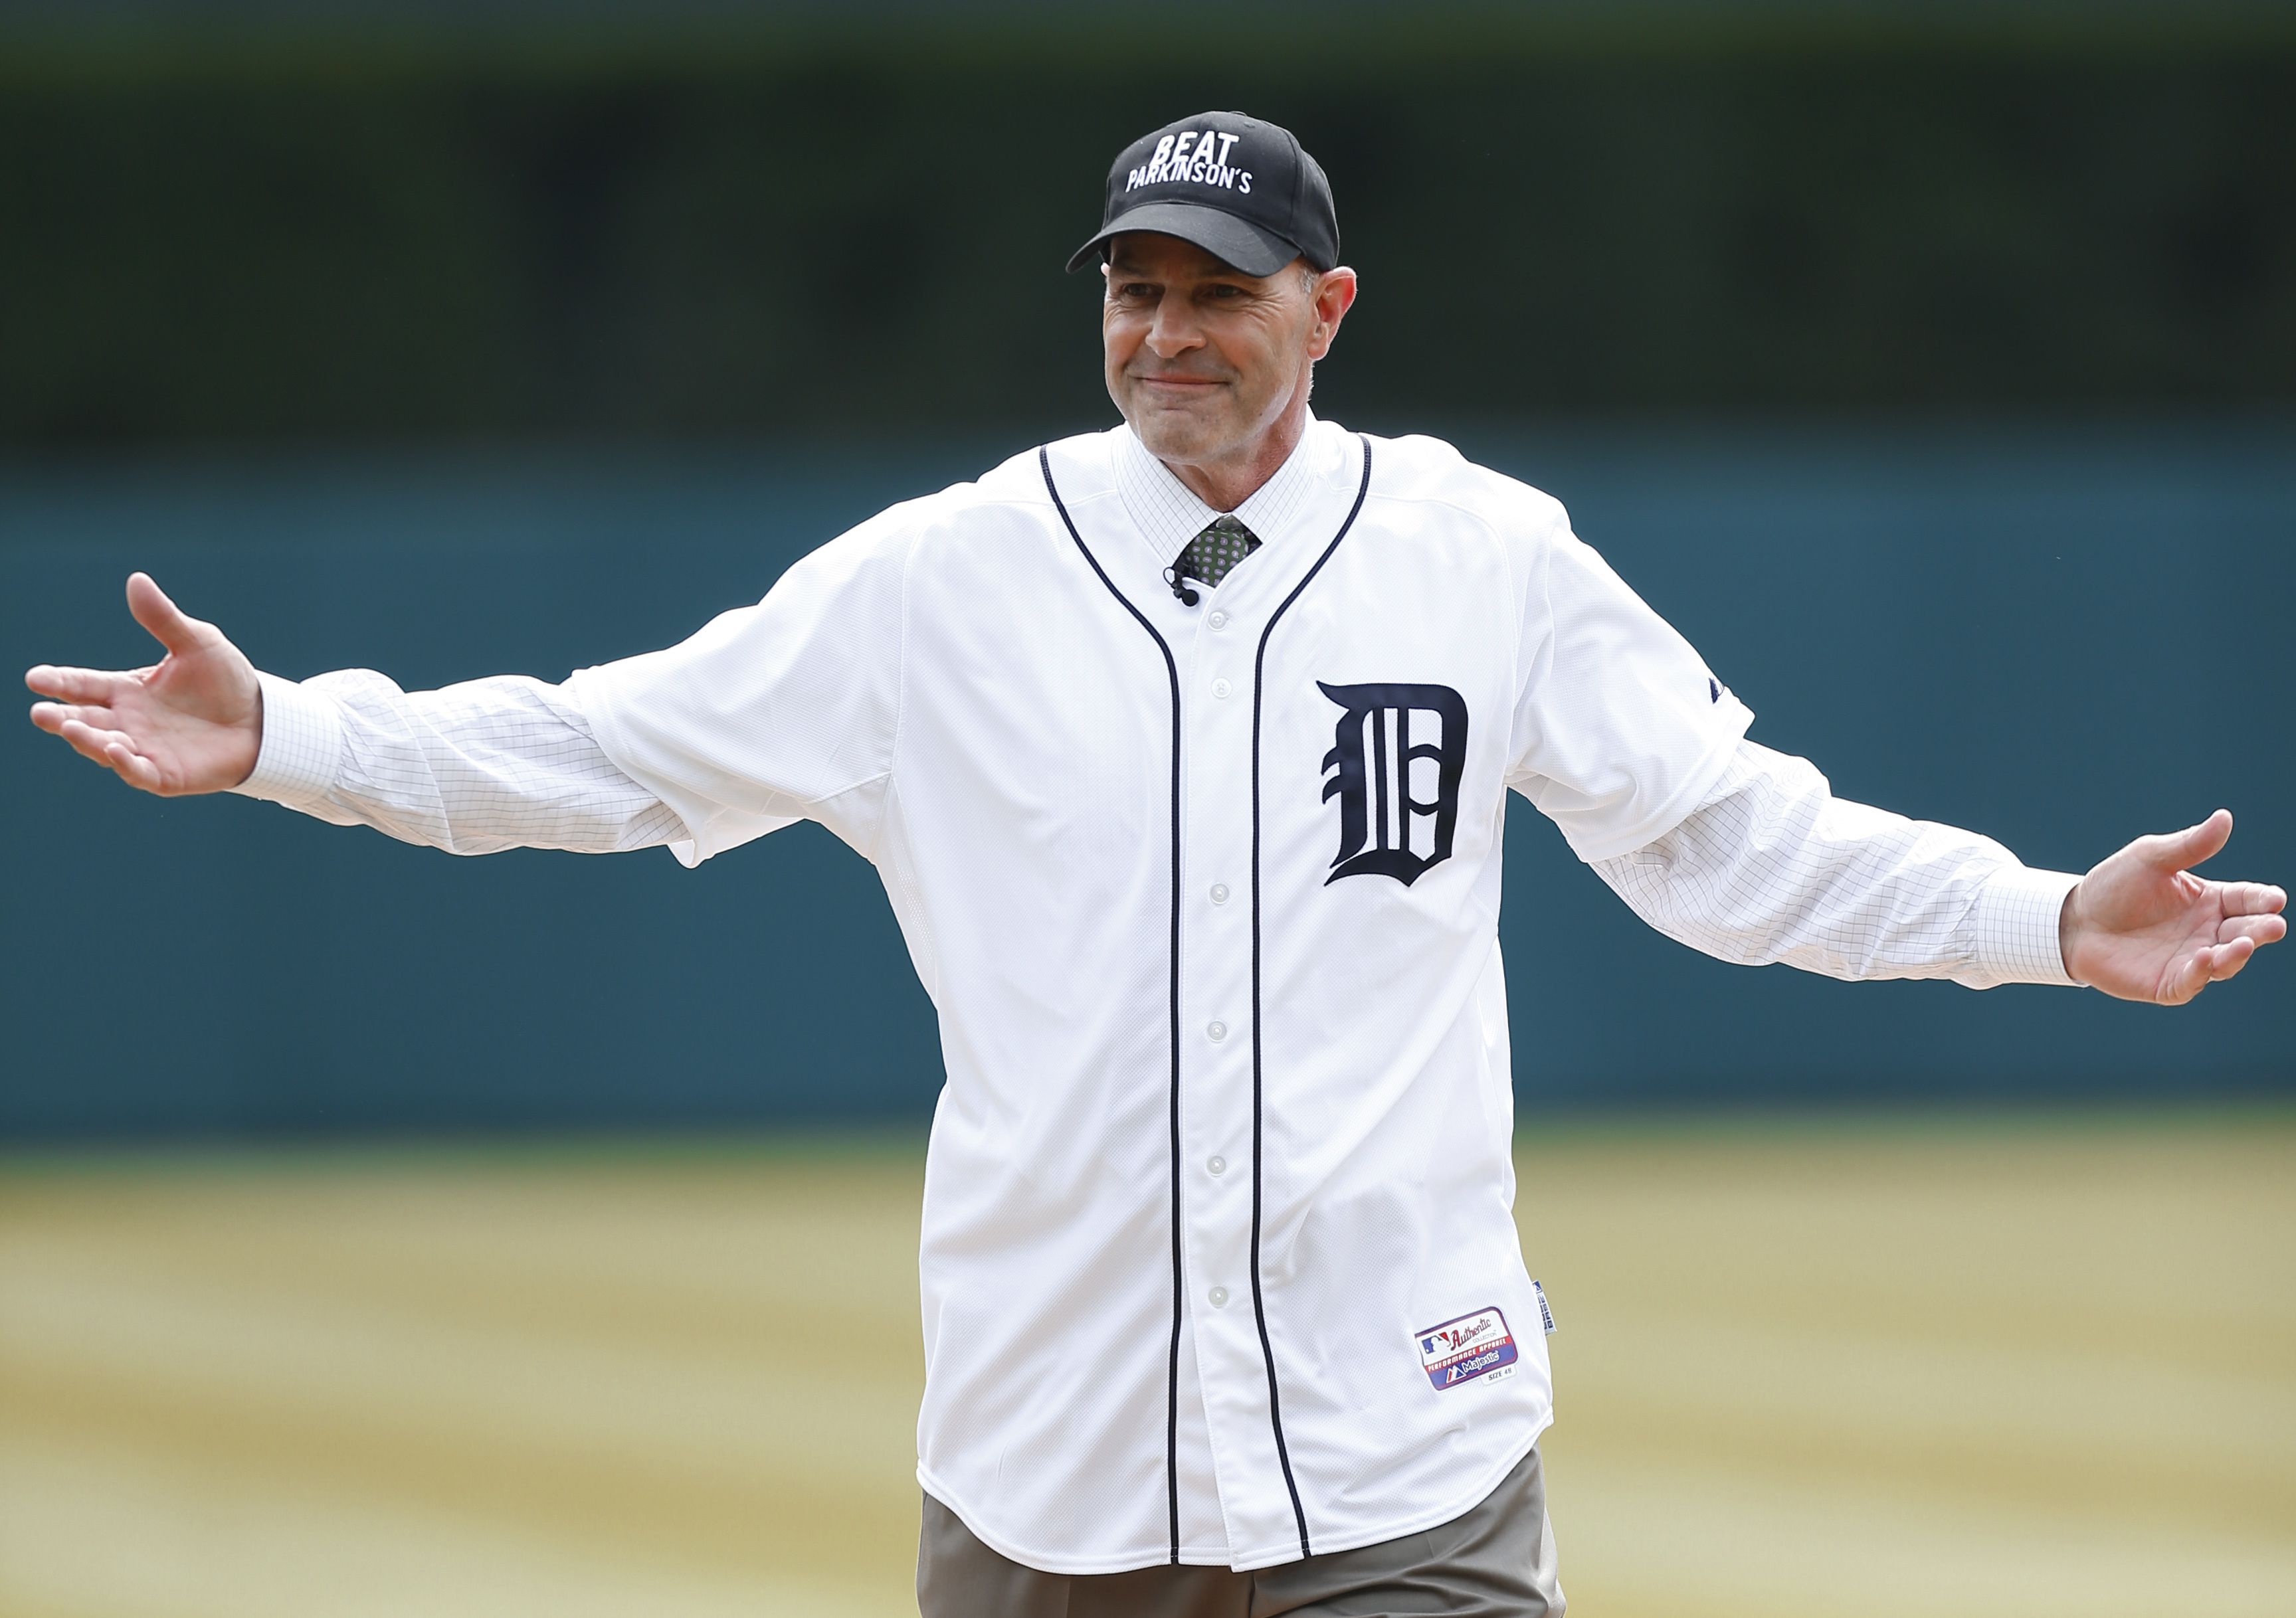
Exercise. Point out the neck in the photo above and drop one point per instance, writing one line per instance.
(1228, 482)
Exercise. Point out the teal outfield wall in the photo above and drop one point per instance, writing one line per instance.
(2062, 638)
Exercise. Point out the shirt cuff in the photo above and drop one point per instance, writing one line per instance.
(302, 745)
(2015, 920)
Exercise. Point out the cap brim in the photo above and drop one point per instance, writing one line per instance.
(1232, 241)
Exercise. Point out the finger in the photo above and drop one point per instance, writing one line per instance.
(134, 768)
(2227, 958)
(2192, 975)
(93, 741)
(76, 684)
(2258, 930)
(2251, 898)
(114, 751)
(51, 716)
(166, 621)
(2182, 850)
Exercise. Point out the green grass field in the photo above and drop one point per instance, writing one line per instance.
(2039, 1367)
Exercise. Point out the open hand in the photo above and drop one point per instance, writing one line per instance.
(2142, 926)
(191, 723)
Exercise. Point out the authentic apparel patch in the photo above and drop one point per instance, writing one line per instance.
(1462, 1350)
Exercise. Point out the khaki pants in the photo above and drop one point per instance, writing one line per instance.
(1496, 1561)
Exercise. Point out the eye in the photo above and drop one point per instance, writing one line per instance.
(1132, 291)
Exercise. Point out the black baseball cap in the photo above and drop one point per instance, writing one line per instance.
(1245, 191)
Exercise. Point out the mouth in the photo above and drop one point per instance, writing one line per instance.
(1179, 386)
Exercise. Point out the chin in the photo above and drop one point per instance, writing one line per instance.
(1175, 436)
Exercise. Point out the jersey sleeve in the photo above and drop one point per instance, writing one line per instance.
(1620, 728)
(783, 711)
(474, 768)
(1772, 867)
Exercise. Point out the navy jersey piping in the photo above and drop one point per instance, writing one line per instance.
(1172, 672)
(1259, 701)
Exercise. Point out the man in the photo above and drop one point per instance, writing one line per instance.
(1183, 750)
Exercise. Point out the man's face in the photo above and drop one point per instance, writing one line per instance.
(1202, 358)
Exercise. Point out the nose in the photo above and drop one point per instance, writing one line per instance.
(1174, 330)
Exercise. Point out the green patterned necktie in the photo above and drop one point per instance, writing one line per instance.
(1219, 548)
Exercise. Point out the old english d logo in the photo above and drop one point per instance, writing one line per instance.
(1382, 827)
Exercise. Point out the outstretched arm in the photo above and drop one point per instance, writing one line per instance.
(485, 765)
(1772, 867)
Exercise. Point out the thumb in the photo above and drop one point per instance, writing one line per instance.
(162, 618)
(2182, 850)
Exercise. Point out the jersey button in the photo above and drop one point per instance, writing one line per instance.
(1218, 620)
(1220, 689)
(1219, 1297)
(1218, 1166)
(1217, 1031)
(1219, 893)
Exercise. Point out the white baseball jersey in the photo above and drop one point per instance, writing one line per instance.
(1218, 1261)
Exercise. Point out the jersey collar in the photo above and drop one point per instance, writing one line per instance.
(1167, 514)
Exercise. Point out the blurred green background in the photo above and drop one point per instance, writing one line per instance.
(507, 221)
(381, 1233)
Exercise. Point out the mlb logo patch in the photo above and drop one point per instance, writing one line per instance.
(1462, 1350)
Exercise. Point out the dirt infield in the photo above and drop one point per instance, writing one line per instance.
(2011, 1368)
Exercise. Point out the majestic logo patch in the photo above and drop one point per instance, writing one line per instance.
(1385, 829)
(1462, 1350)
(1201, 158)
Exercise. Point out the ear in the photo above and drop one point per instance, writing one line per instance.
(1335, 295)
